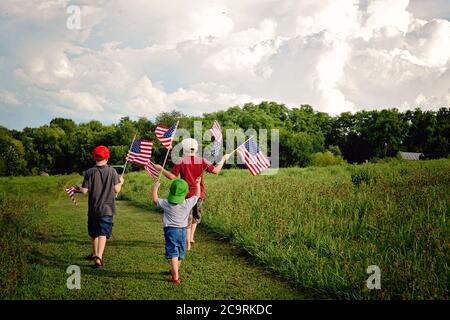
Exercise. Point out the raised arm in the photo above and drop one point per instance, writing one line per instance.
(169, 175)
(219, 166)
(198, 186)
(155, 189)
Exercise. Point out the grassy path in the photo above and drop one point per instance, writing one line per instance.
(135, 265)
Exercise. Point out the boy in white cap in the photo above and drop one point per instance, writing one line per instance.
(190, 167)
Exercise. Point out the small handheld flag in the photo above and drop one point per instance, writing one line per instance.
(140, 151)
(151, 170)
(216, 147)
(216, 131)
(252, 156)
(70, 192)
(165, 135)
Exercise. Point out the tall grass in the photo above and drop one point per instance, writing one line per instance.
(322, 227)
(22, 199)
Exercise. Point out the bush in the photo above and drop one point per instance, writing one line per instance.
(361, 174)
(325, 159)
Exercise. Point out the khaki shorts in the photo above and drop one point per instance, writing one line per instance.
(195, 216)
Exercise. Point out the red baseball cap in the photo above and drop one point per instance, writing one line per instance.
(100, 153)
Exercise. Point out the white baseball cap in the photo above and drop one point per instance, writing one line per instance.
(189, 145)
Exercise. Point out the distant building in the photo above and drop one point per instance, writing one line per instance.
(411, 155)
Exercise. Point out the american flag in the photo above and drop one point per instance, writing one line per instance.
(216, 147)
(216, 131)
(140, 151)
(253, 157)
(70, 192)
(151, 170)
(165, 135)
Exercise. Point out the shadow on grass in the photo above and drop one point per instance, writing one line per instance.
(105, 272)
(253, 262)
(39, 258)
(110, 243)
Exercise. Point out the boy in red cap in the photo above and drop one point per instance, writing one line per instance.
(102, 183)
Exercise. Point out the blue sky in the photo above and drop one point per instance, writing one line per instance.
(138, 58)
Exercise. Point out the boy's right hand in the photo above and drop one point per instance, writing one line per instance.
(121, 179)
(157, 184)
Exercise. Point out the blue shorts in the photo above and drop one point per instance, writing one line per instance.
(175, 242)
(100, 226)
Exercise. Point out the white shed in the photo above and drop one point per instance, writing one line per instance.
(411, 155)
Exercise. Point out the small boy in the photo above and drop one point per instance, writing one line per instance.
(101, 183)
(189, 168)
(176, 213)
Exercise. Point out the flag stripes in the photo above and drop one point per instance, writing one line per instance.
(253, 158)
(216, 131)
(140, 152)
(165, 135)
(70, 192)
(151, 170)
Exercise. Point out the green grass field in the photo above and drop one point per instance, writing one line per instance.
(42, 233)
(322, 227)
(303, 233)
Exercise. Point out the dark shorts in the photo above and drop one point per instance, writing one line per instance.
(100, 226)
(175, 239)
(195, 216)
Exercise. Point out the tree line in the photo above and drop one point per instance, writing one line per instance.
(306, 137)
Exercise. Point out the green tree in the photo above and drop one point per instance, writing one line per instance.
(145, 128)
(12, 162)
(385, 131)
(297, 147)
(125, 131)
(118, 154)
(48, 142)
(67, 125)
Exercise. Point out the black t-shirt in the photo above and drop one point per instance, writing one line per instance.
(100, 182)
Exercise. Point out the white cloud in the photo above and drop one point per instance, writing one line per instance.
(9, 98)
(200, 97)
(75, 102)
(50, 65)
(430, 43)
(39, 10)
(339, 17)
(391, 16)
(142, 57)
(146, 99)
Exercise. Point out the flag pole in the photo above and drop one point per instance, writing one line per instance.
(167, 153)
(126, 160)
(240, 146)
(231, 152)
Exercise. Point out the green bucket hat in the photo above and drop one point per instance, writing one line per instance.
(178, 191)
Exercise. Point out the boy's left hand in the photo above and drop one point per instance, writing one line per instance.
(157, 184)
